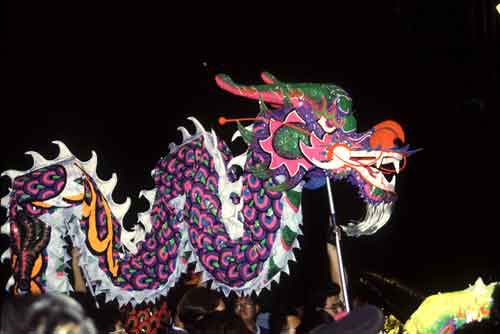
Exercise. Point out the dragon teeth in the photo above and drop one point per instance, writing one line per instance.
(199, 127)
(396, 165)
(393, 181)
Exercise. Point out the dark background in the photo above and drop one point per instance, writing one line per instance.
(120, 79)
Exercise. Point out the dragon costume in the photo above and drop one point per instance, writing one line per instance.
(237, 218)
(444, 313)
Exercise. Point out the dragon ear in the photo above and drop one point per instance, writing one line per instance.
(262, 108)
(246, 134)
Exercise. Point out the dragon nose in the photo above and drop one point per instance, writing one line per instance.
(385, 135)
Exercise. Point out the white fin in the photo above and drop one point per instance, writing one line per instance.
(226, 291)
(12, 174)
(172, 148)
(5, 229)
(6, 255)
(286, 270)
(236, 135)
(214, 138)
(5, 200)
(38, 159)
(199, 268)
(90, 166)
(120, 210)
(276, 277)
(199, 128)
(64, 152)
(145, 219)
(10, 283)
(149, 195)
(108, 186)
(185, 133)
(205, 277)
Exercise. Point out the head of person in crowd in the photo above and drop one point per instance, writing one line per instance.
(366, 319)
(220, 322)
(364, 291)
(327, 303)
(288, 320)
(108, 318)
(247, 309)
(191, 278)
(195, 304)
(45, 314)
(174, 297)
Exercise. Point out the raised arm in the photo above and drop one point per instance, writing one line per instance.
(79, 282)
(333, 261)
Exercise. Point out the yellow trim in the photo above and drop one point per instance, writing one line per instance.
(98, 245)
(37, 266)
(90, 212)
(41, 204)
(75, 198)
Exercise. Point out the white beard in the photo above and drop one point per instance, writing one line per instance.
(376, 217)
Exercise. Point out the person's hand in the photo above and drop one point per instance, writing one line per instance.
(332, 234)
(293, 322)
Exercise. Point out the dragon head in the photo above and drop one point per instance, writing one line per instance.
(311, 134)
(30, 238)
(28, 208)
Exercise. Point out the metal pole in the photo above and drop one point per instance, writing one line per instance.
(337, 244)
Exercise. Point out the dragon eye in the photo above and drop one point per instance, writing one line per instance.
(234, 198)
(235, 171)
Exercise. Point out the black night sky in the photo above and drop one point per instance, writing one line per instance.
(121, 85)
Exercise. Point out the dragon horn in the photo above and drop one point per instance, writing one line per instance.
(268, 78)
(271, 93)
(278, 93)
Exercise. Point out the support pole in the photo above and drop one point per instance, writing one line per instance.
(337, 244)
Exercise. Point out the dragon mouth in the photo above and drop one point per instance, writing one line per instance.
(377, 168)
(371, 165)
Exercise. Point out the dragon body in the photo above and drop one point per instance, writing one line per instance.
(237, 218)
(444, 313)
